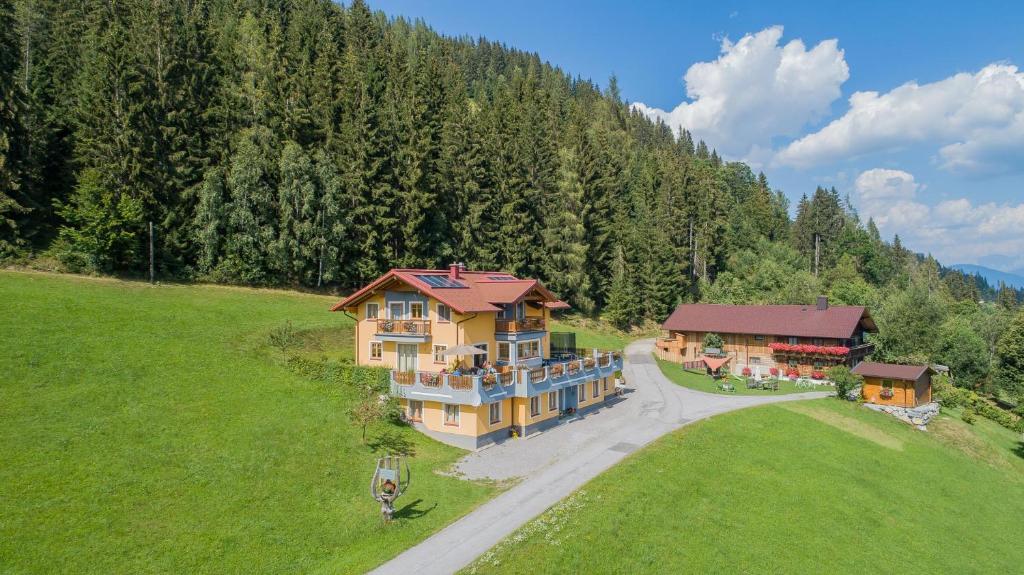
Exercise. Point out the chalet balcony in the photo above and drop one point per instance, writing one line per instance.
(512, 381)
(449, 388)
(520, 325)
(556, 374)
(403, 330)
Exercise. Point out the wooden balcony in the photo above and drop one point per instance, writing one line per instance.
(521, 324)
(403, 327)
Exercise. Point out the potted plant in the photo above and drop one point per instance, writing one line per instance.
(886, 393)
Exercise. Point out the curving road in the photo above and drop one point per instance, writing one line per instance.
(556, 463)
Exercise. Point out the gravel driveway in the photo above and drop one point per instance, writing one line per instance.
(555, 463)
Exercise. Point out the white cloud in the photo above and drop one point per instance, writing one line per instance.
(756, 90)
(975, 120)
(956, 230)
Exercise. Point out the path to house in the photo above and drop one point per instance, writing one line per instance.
(556, 463)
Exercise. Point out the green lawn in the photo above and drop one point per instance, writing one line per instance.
(148, 429)
(810, 487)
(702, 382)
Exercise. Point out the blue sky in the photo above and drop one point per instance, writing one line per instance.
(931, 146)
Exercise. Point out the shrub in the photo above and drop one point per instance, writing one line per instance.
(818, 375)
(844, 380)
(283, 337)
(713, 340)
(969, 416)
(792, 373)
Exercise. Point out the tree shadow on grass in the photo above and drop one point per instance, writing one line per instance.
(392, 443)
(1019, 450)
(411, 512)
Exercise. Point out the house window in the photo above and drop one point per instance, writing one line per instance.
(495, 412)
(758, 338)
(444, 313)
(792, 363)
(594, 391)
(552, 401)
(604, 384)
(504, 351)
(396, 310)
(818, 364)
(415, 410)
(451, 414)
(372, 310)
(886, 384)
(794, 341)
(581, 390)
(521, 309)
(528, 349)
(439, 353)
(755, 360)
(534, 406)
(416, 310)
(817, 341)
(376, 350)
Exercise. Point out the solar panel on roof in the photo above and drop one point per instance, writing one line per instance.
(440, 281)
(501, 278)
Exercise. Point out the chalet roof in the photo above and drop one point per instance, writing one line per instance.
(890, 370)
(786, 320)
(471, 291)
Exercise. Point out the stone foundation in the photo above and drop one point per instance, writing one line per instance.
(917, 416)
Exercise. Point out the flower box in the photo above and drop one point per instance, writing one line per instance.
(804, 348)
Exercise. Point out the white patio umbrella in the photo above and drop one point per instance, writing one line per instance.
(464, 349)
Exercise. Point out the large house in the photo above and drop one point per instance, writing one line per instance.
(805, 338)
(408, 319)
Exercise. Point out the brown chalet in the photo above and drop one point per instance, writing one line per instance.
(806, 338)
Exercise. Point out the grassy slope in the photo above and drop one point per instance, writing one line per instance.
(144, 429)
(700, 382)
(812, 487)
(592, 334)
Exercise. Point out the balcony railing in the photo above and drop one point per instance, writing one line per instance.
(521, 324)
(527, 381)
(403, 327)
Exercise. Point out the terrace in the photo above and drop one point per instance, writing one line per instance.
(520, 382)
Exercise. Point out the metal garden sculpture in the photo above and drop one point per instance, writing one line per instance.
(388, 483)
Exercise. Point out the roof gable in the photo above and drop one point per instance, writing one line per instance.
(839, 322)
(472, 291)
(890, 370)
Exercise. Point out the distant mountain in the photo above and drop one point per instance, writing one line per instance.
(993, 277)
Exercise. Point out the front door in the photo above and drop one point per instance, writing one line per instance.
(571, 401)
(478, 360)
(407, 356)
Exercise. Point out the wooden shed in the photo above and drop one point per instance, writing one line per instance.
(898, 385)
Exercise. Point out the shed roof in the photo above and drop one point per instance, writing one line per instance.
(890, 370)
(789, 320)
(471, 291)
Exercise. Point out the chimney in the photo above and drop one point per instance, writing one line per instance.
(453, 271)
(822, 303)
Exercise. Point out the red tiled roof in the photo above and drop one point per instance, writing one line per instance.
(890, 370)
(787, 320)
(480, 294)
